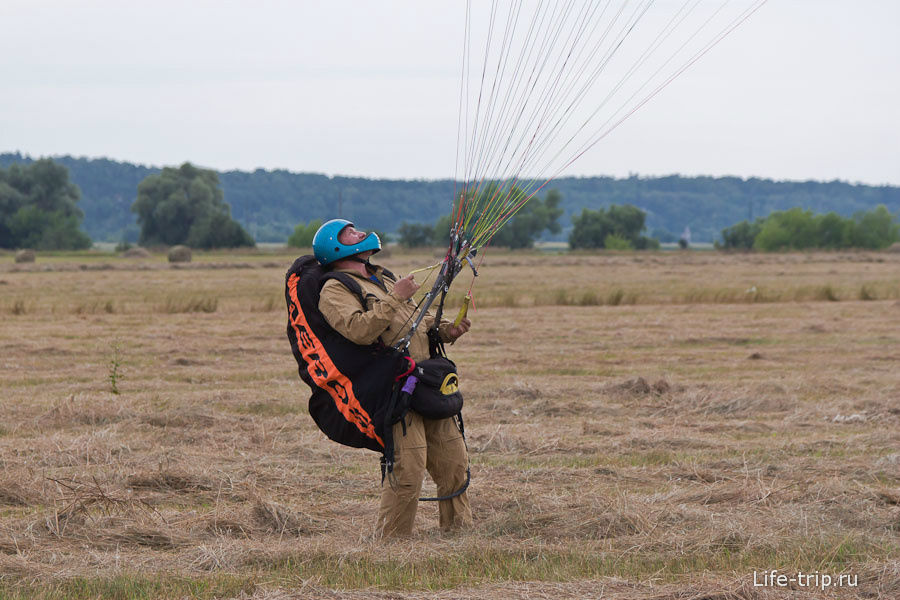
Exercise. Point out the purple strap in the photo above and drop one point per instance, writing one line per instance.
(410, 384)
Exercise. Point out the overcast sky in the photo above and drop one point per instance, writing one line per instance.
(806, 89)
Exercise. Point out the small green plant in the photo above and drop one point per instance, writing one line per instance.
(617, 242)
(115, 364)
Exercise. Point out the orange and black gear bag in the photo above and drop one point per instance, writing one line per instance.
(351, 385)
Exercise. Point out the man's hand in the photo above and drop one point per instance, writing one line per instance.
(455, 332)
(406, 287)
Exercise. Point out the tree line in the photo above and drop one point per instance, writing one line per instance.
(268, 204)
(798, 229)
(39, 208)
(615, 228)
(622, 228)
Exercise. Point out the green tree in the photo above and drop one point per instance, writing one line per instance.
(441, 232)
(590, 230)
(833, 231)
(186, 206)
(874, 229)
(415, 235)
(741, 236)
(38, 208)
(523, 229)
(530, 222)
(616, 242)
(798, 229)
(620, 225)
(793, 229)
(303, 234)
(217, 230)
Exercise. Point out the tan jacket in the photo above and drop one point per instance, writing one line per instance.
(388, 318)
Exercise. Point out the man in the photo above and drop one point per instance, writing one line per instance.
(435, 445)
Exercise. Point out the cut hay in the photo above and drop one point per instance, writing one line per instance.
(521, 390)
(281, 520)
(501, 441)
(220, 557)
(640, 387)
(587, 482)
(164, 481)
(12, 545)
(149, 537)
(187, 419)
(609, 523)
(13, 494)
(228, 527)
(83, 410)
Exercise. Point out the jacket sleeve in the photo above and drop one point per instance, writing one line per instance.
(442, 330)
(343, 312)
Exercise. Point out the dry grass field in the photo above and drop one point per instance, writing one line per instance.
(665, 425)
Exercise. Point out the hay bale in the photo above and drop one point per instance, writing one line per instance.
(25, 256)
(136, 252)
(179, 254)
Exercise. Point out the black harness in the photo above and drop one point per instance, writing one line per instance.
(400, 400)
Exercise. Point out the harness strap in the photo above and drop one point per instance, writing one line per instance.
(348, 282)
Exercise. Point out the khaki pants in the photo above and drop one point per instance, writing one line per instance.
(434, 445)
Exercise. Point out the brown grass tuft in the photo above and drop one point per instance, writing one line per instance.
(606, 523)
(13, 494)
(640, 387)
(521, 390)
(281, 520)
(165, 481)
(189, 304)
(228, 527)
(84, 410)
(175, 419)
(150, 537)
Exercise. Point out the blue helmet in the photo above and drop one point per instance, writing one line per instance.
(328, 249)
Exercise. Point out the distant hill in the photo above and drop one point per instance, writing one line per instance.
(270, 203)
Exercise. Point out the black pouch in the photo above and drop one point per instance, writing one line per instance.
(436, 393)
